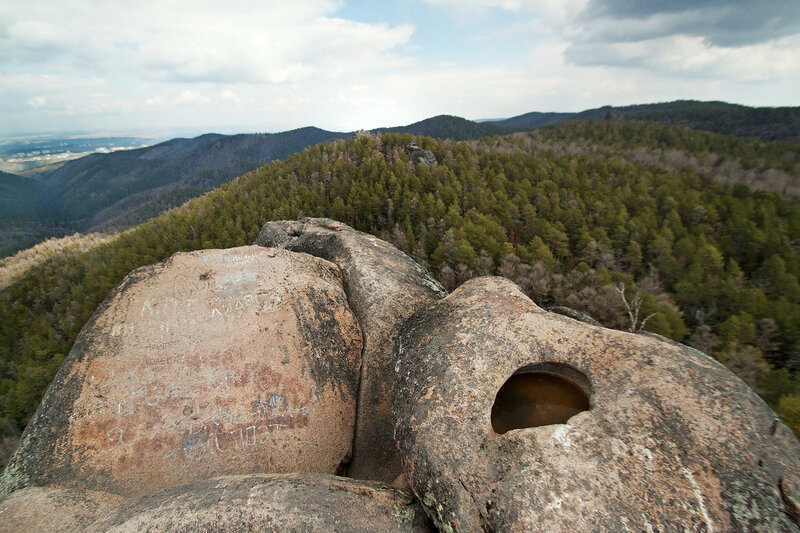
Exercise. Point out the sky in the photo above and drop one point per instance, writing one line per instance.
(245, 66)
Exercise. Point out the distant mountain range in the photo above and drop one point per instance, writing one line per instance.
(109, 191)
(454, 128)
(768, 123)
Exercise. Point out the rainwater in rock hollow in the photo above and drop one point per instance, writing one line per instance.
(531, 399)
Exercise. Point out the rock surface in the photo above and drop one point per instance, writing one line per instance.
(213, 362)
(574, 313)
(285, 503)
(672, 440)
(384, 287)
(420, 155)
(54, 510)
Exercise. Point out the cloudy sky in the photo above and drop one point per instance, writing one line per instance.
(269, 65)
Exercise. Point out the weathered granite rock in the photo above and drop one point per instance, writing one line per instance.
(54, 510)
(212, 362)
(285, 503)
(672, 440)
(384, 287)
(574, 313)
(420, 155)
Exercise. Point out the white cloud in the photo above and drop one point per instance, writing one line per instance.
(191, 98)
(228, 95)
(738, 41)
(275, 65)
(155, 102)
(37, 101)
(553, 11)
(197, 40)
(681, 40)
(21, 90)
(35, 38)
(693, 56)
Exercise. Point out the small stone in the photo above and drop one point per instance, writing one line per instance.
(790, 491)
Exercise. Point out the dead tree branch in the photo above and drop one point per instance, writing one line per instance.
(633, 309)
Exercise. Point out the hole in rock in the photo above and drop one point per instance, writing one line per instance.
(540, 395)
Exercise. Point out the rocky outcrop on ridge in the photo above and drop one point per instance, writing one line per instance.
(222, 390)
(384, 287)
(671, 440)
(420, 155)
(213, 362)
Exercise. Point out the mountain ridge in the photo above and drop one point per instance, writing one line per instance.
(448, 127)
(767, 123)
(106, 192)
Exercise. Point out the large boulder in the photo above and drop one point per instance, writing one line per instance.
(285, 503)
(54, 510)
(212, 362)
(420, 155)
(632, 433)
(384, 287)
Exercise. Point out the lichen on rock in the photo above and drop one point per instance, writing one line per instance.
(279, 502)
(218, 361)
(671, 441)
(384, 287)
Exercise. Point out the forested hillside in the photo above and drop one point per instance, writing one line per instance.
(19, 197)
(766, 123)
(116, 190)
(575, 214)
(450, 127)
(103, 192)
(131, 186)
(15, 192)
(760, 165)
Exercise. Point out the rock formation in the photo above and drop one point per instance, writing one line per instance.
(285, 502)
(384, 287)
(213, 362)
(671, 440)
(420, 155)
(224, 389)
(54, 510)
(573, 313)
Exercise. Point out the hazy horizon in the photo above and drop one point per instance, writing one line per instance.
(169, 133)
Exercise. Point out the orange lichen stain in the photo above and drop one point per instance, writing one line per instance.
(532, 399)
(97, 432)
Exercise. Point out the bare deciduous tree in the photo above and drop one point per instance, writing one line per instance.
(633, 309)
